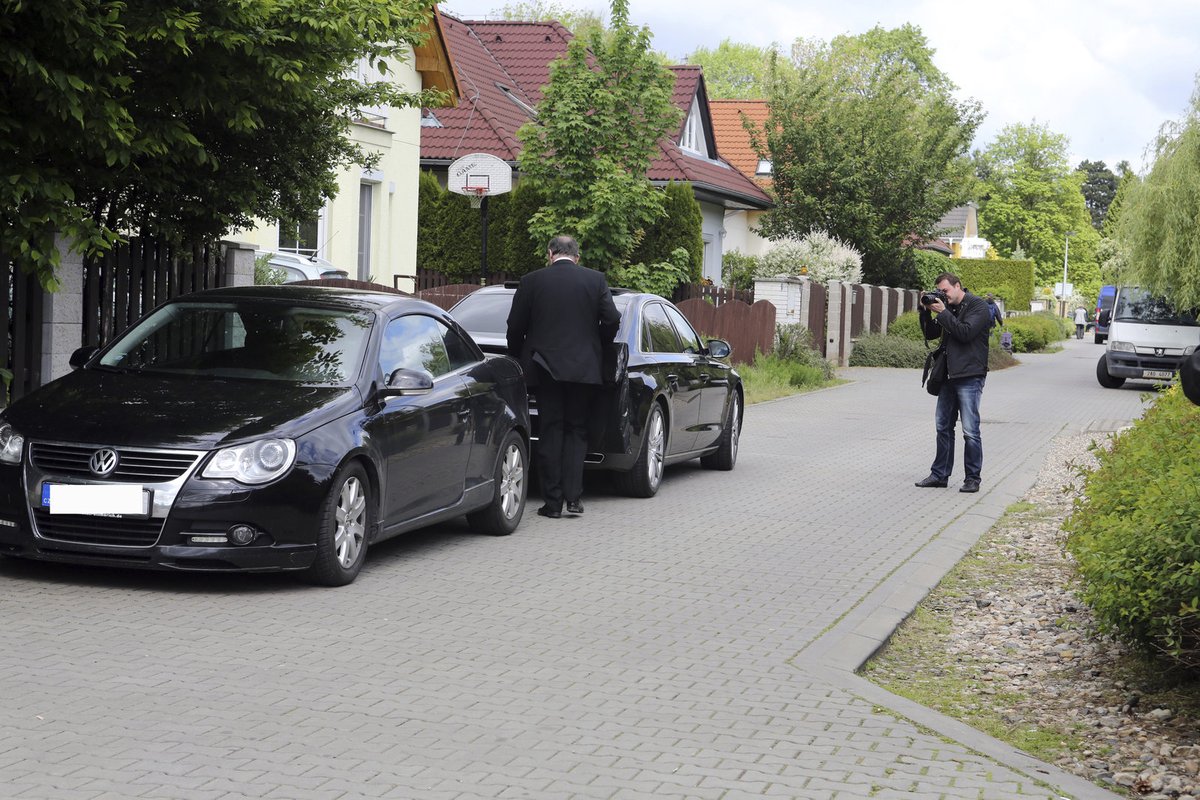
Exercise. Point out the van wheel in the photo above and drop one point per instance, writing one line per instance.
(1106, 380)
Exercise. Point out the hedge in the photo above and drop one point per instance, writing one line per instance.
(1134, 532)
(1007, 279)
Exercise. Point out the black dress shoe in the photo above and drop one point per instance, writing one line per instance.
(575, 506)
(930, 482)
(549, 511)
(970, 486)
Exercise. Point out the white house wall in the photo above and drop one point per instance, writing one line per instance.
(393, 182)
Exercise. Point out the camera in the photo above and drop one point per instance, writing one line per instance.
(936, 296)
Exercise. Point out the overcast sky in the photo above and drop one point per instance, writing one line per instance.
(1106, 73)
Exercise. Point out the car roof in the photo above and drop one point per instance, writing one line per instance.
(340, 297)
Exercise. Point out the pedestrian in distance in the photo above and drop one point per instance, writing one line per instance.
(1080, 321)
(963, 322)
(562, 315)
(994, 310)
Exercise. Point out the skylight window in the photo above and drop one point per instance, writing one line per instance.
(521, 104)
(764, 167)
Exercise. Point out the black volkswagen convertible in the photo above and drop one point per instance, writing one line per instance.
(671, 397)
(265, 428)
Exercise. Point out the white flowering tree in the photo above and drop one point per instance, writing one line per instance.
(818, 255)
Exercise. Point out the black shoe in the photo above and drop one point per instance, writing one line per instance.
(930, 482)
(574, 506)
(549, 511)
(970, 486)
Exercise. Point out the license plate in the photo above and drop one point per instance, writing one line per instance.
(1165, 375)
(109, 500)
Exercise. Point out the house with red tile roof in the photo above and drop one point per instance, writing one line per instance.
(501, 67)
(730, 118)
(369, 229)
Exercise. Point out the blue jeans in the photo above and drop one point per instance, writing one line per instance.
(959, 399)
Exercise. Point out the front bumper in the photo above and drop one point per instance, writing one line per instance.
(284, 515)
(1135, 366)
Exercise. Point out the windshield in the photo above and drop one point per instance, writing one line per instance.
(1137, 305)
(246, 339)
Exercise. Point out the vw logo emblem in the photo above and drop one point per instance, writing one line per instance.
(103, 462)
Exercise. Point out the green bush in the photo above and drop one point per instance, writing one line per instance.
(795, 343)
(681, 225)
(1034, 332)
(1008, 279)
(907, 326)
(875, 350)
(929, 265)
(1134, 535)
(737, 270)
(660, 279)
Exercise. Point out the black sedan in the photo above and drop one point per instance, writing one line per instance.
(675, 399)
(265, 428)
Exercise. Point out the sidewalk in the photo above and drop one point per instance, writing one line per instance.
(700, 644)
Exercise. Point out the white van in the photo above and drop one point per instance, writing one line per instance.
(1147, 339)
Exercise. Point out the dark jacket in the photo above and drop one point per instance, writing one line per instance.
(964, 331)
(560, 317)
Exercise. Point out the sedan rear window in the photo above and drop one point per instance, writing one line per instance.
(484, 312)
(246, 339)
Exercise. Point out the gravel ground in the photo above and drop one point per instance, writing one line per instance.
(1007, 638)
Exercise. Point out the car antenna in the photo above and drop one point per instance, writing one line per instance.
(317, 252)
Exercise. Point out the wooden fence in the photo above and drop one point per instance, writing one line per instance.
(21, 323)
(135, 277)
(749, 329)
(717, 295)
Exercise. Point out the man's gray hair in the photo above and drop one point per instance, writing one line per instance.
(564, 246)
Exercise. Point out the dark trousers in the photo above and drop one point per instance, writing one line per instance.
(562, 437)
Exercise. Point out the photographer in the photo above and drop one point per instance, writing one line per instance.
(962, 321)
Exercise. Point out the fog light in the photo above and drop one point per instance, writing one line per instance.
(8, 523)
(207, 539)
(242, 534)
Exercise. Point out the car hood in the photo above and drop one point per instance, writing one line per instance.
(98, 407)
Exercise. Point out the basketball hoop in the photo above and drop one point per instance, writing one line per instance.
(475, 194)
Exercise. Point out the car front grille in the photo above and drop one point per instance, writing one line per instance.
(83, 529)
(133, 466)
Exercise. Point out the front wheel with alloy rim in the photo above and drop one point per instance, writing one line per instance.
(646, 476)
(725, 456)
(345, 524)
(503, 514)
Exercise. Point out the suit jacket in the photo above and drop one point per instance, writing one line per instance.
(561, 317)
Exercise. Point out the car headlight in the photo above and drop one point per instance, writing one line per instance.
(1191, 348)
(257, 462)
(1124, 347)
(11, 444)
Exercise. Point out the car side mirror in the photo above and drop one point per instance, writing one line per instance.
(82, 356)
(719, 348)
(1105, 316)
(407, 382)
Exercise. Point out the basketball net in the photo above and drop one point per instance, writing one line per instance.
(475, 194)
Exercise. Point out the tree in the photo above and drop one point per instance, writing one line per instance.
(739, 70)
(1031, 198)
(185, 120)
(868, 144)
(680, 226)
(581, 22)
(1158, 218)
(1099, 187)
(596, 132)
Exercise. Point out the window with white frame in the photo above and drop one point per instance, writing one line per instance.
(693, 139)
(375, 116)
(306, 236)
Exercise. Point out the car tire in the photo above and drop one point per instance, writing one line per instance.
(725, 456)
(503, 514)
(346, 520)
(1106, 380)
(647, 474)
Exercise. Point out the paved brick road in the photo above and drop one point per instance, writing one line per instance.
(697, 645)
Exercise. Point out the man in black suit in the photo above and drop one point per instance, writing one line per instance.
(560, 319)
